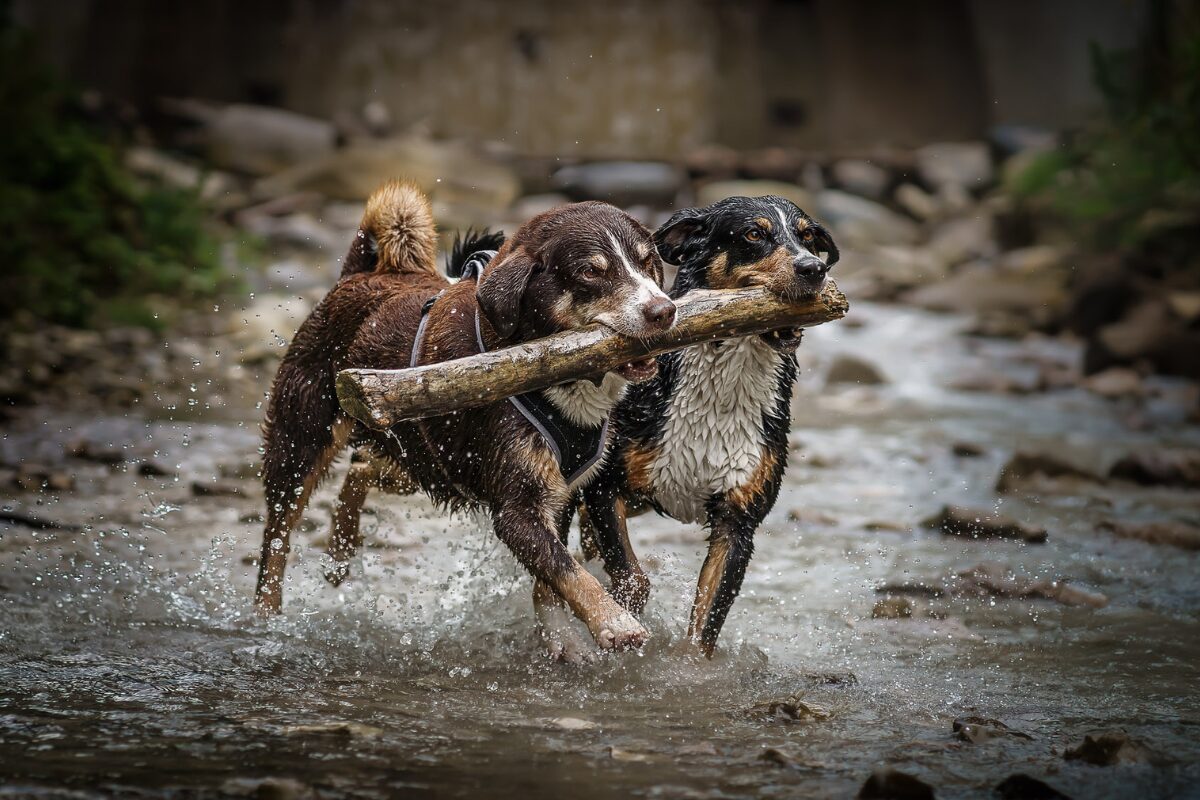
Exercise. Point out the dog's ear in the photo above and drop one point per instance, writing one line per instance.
(501, 288)
(823, 243)
(681, 235)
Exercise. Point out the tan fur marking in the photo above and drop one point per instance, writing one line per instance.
(718, 278)
(399, 217)
(638, 462)
(710, 579)
(774, 270)
(742, 496)
(764, 223)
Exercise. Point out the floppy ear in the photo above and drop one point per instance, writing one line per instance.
(824, 244)
(681, 235)
(501, 288)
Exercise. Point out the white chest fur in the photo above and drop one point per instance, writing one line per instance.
(713, 436)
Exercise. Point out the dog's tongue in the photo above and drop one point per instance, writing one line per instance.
(637, 371)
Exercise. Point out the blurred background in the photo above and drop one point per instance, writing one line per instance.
(991, 507)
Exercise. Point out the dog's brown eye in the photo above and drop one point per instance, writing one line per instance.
(590, 273)
(754, 235)
(807, 236)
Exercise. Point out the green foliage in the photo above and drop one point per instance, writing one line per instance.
(81, 240)
(1134, 175)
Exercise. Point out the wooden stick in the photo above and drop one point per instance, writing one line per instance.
(380, 398)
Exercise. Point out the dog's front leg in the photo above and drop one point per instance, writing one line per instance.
(730, 545)
(523, 527)
(606, 518)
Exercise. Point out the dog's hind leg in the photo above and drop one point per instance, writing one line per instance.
(608, 532)
(303, 435)
(367, 471)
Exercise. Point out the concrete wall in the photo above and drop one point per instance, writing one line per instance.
(620, 77)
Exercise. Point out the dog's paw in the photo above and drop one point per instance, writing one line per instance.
(620, 631)
(337, 572)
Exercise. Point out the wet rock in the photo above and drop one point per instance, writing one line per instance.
(268, 789)
(963, 164)
(1163, 467)
(98, 452)
(1106, 749)
(852, 369)
(968, 450)
(620, 754)
(217, 489)
(34, 522)
(1183, 535)
(789, 709)
(892, 784)
(33, 478)
(1027, 467)
(990, 579)
(892, 608)
(710, 193)
(355, 730)
(1025, 787)
(622, 183)
(918, 202)
(1150, 332)
(981, 729)
(778, 758)
(1033, 259)
(1115, 382)
(154, 469)
(571, 724)
(861, 177)
(698, 749)
(809, 516)
(979, 523)
(862, 221)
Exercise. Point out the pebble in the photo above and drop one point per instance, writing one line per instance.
(892, 784)
(979, 523)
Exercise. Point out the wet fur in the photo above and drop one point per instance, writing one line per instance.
(706, 440)
(490, 459)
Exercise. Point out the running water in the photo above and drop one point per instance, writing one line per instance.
(131, 663)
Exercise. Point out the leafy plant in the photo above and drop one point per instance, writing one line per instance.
(82, 241)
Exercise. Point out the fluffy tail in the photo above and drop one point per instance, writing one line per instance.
(396, 234)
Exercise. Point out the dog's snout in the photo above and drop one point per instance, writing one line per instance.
(807, 266)
(659, 313)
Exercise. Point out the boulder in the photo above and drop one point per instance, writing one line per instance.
(1183, 535)
(965, 164)
(1027, 467)
(962, 239)
(977, 730)
(1025, 787)
(852, 369)
(1161, 467)
(449, 172)
(622, 183)
(980, 290)
(983, 524)
(861, 177)
(918, 202)
(258, 140)
(892, 784)
(1106, 749)
(892, 608)
(862, 221)
(710, 193)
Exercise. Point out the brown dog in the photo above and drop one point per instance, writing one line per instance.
(566, 268)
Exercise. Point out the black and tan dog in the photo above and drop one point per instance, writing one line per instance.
(706, 440)
(567, 268)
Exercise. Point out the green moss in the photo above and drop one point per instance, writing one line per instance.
(81, 240)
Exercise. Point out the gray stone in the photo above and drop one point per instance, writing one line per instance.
(859, 220)
(918, 202)
(621, 182)
(852, 369)
(861, 177)
(962, 239)
(261, 141)
(965, 164)
(983, 524)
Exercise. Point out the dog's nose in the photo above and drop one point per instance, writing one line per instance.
(808, 266)
(660, 313)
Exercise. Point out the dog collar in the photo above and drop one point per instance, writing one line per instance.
(576, 447)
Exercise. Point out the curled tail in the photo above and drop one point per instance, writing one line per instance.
(396, 234)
